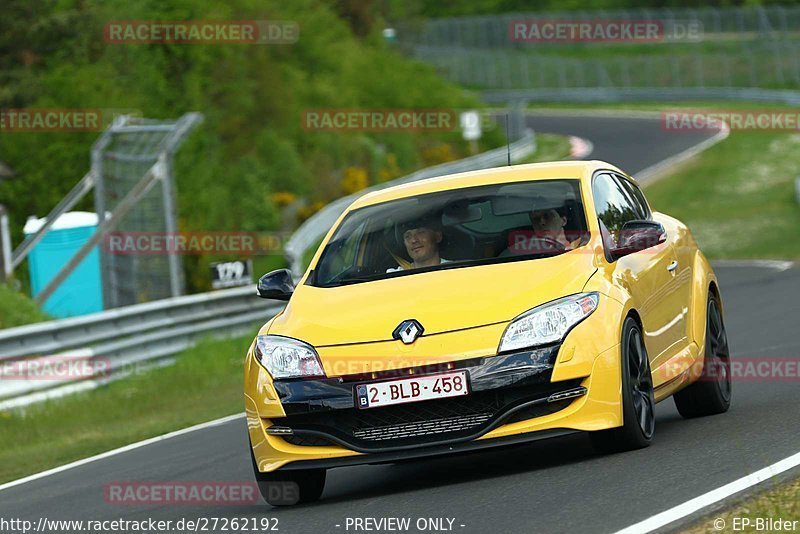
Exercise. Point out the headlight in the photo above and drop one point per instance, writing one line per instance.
(285, 357)
(548, 323)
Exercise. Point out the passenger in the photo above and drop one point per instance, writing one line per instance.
(548, 228)
(421, 239)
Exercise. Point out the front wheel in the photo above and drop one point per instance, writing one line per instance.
(711, 393)
(287, 488)
(638, 399)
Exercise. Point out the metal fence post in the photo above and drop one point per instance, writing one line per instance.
(170, 213)
(517, 120)
(107, 269)
(6, 267)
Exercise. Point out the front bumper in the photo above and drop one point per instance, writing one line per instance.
(504, 388)
(510, 397)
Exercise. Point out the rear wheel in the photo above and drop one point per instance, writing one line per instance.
(711, 393)
(286, 488)
(638, 399)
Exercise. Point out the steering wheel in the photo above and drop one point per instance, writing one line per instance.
(547, 244)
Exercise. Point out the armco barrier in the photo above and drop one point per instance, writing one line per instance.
(632, 94)
(133, 334)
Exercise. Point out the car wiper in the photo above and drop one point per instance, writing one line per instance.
(355, 280)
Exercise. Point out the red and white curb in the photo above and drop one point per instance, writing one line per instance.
(579, 148)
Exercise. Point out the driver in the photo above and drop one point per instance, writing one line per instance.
(421, 239)
(549, 224)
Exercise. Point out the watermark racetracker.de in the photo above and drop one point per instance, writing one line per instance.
(63, 120)
(201, 32)
(194, 243)
(603, 31)
(203, 493)
(180, 492)
(67, 367)
(380, 120)
(712, 120)
(739, 370)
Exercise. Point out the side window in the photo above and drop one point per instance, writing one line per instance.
(345, 257)
(636, 196)
(351, 245)
(614, 207)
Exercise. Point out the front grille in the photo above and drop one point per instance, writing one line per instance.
(415, 412)
(424, 422)
(424, 428)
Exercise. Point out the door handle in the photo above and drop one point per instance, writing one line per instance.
(672, 266)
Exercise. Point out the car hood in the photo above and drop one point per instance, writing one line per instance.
(442, 301)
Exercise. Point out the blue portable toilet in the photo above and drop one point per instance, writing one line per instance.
(82, 291)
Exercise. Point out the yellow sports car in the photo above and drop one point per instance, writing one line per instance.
(478, 310)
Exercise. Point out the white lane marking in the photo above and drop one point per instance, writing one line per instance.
(579, 148)
(698, 503)
(126, 448)
(778, 265)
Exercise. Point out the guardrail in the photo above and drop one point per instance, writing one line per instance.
(131, 335)
(622, 94)
(5, 246)
(316, 226)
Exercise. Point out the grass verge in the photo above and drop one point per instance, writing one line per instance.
(204, 384)
(549, 147)
(738, 196)
(16, 309)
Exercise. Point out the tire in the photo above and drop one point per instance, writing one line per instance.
(711, 393)
(287, 488)
(638, 399)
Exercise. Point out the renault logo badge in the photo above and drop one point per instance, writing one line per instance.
(408, 331)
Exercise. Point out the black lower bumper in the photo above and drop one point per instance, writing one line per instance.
(428, 452)
(503, 389)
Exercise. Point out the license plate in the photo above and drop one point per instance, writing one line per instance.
(415, 389)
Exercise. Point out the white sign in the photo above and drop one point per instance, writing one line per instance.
(231, 274)
(471, 125)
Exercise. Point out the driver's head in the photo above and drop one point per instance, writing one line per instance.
(547, 220)
(422, 238)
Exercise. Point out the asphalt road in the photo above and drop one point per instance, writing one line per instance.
(630, 143)
(559, 485)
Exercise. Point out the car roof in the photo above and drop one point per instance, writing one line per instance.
(575, 170)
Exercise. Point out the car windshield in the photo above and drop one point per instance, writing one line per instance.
(456, 228)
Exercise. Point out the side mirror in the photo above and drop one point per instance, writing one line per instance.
(636, 236)
(277, 285)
